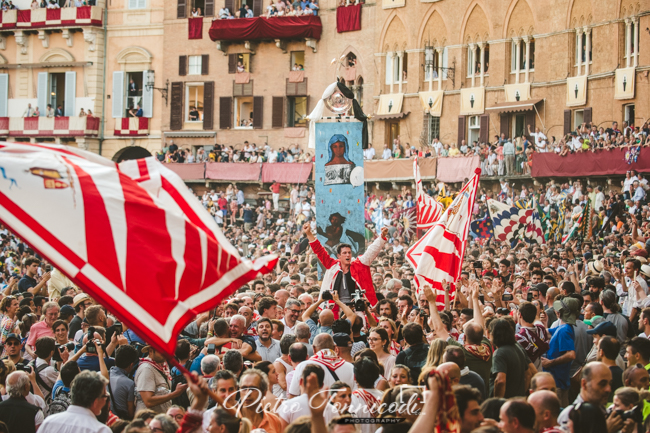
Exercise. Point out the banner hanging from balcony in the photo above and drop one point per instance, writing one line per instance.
(472, 101)
(38, 18)
(132, 126)
(348, 18)
(339, 186)
(252, 29)
(195, 28)
(49, 126)
(625, 80)
(432, 102)
(390, 104)
(576, 91)
(517, 92)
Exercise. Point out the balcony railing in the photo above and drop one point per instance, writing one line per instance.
(40, 18)
(252, 29)
(49, 126)
(132, 126)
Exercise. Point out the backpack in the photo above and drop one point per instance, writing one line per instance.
(182, 400)
(60, 402)
(39, 380)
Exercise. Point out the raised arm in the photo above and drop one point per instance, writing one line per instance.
(478, 313)
(434, 318)
(375, 248)
(318, 249)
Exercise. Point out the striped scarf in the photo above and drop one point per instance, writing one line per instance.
(328, 358)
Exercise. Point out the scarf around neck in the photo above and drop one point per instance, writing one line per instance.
(163, 369)
(328, 358)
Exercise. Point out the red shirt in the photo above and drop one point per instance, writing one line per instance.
(275, 188)
(223, 203)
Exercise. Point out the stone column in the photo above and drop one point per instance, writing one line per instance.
(517, 42)
(526, 40)
(579, 32)
(636, 41)
(628, 42)
(400, 70)
(481, 46)
(390, 59)
(588, 49)
(440, 71)
(472, 48)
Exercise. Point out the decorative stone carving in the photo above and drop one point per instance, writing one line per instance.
(45, 38)
(68, 36)
(22, 40)
(90, 36)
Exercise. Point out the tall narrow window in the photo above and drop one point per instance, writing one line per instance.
(194, 102)
(196, 63)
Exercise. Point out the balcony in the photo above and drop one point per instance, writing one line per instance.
(131, 126)
(49, 126)
(254, 29)
(44, 18)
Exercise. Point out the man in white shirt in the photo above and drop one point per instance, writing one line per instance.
(292, 409)
(369, 153)
(366, 399)
(624, 285)
(600, 198)
(386, 154)
(437, 145)
(539, 138)
(88, 399)
(325, 356)
(306, 208)
(29, 111)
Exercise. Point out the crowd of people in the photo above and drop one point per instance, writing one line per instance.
(250, 152)
(51, 4)
(514, 155)
(535, 338)
(279, 8)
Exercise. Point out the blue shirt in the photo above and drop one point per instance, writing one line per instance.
(562, 341)
(92, 363)
(59, 384)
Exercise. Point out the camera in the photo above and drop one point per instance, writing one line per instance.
(327, 296)
(529, 297)
(24, 367)
(481, 298)
(90, 345)
(60, 348)
(478, 264)
(359, 302)
(113, 329)
(507, 297)
(635, 414)
(423, 312)
(211, 349)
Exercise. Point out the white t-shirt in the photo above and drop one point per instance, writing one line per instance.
(291, 410)
(540, 141)
(359, 409)
(345, 373)
(369, 153)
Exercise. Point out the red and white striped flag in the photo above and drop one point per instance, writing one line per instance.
(132, 236)
(439, 254)
(429, 209)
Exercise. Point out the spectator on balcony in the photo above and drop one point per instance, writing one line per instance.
(82, 113)
(386, 154)
(59, 111)
(36, 113)
(369, 153)
(35, 4)
(90, 113)
(194, 114)
(240, 67)
(138, 111)
(54, 5)
(49, 111)
(194, 13)
(224, 14)
(133, 88)
(313, 5)
(43, 4)
(29, 111)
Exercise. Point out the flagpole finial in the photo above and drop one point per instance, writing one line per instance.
(477, 171)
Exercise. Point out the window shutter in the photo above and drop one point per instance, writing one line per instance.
(230, 5)
(257, 8)
(176, 111)
(147, 95)
(258, 112)
(232, 63)
(586, 116)
(567, 122)
(205, 64)
(209, 8)
(461, 129)
(237, 89)
(70, 93)
(208, 105)
(505, 125)
(182, 66)
(247, 89)
(4, 95)
(484, 132)
(530, 120)
(301, 88)
(43, 91)
(181, 11)
(225, 107)
(277, 116)
(291, 88)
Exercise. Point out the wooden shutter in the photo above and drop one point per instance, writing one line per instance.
(530, 120)
(69, 107)
(208, 105)
(182, 66)
(505, 125)
(258, 112)
(230, 5)
(4, 95)
(301, 88)
(461, 129)
(232, 63)
(257, 8)
(586, 115)
(181, 11)
(205, 64)
(247, 88)
(43, 95)
(290, 89)
(567, 122)
(277, 115)
(484, 132)
(225, 111)
(176, 112)
(209, 8)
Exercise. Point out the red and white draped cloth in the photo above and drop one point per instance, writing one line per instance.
(131, 235)
(132, 126)
(328, 358)
(429, 209)
(372, 402)
(438, 255)
(49, 126)
(42, 17)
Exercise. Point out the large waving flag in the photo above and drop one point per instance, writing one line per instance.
(131, 235)
(438, 255)
(512, 223)
(429, 209)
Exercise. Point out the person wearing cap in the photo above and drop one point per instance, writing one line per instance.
(153, 381)
(13, 349)
(343, 346)
(562, 349)
(80, 303)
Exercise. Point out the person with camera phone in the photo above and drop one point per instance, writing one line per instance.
(344, 275)
(94, 357)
